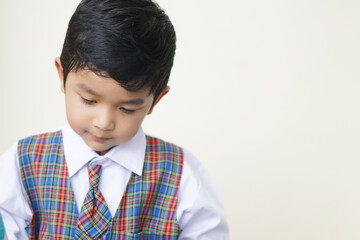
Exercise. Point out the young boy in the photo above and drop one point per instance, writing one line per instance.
(100, 176)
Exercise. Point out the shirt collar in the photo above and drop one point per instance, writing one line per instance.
(129, 154)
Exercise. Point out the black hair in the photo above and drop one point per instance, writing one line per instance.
(130, 41)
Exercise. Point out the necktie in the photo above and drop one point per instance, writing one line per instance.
(95, 217)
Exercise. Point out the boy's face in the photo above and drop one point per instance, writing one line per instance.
(102, 112)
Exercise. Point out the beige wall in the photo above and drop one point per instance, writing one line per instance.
(264, 93)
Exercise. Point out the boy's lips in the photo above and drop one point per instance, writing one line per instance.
(99, 139)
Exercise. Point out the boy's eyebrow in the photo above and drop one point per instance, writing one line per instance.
(87, 89)
(137, 101)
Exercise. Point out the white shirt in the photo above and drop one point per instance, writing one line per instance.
(199, 211)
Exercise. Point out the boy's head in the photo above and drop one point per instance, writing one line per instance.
(114, 67)
(130, 41)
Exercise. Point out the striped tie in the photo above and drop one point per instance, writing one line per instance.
(95, 216)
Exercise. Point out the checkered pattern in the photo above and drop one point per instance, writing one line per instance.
(95, 216)
(147, 209)
(46, 181)
(149, 204)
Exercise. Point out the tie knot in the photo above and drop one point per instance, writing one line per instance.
(94, 174)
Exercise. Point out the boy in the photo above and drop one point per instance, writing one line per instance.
(100, 176)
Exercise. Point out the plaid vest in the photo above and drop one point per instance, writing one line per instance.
(146, 211)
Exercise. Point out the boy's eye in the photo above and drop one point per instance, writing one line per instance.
(125, 110)
(87, 101)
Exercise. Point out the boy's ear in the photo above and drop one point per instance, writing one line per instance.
(163, 93)
(60, 71)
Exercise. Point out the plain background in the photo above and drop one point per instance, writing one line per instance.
(264, 93)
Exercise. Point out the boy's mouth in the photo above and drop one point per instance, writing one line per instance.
(99, 139)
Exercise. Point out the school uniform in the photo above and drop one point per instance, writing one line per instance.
(186, 203)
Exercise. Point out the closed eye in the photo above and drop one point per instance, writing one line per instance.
(126, 110)
(87, 101)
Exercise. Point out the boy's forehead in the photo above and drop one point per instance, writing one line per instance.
(98, 84)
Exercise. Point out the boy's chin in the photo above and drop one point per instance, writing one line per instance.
(102, 151)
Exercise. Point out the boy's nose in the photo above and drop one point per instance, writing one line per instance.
(104, 120)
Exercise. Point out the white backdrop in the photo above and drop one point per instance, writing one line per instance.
(264, 93)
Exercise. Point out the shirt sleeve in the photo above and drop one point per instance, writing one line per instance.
(200, 211)
(14, 207)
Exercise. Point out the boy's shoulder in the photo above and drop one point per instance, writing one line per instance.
(42, 134)
(40, 139)
(188, 156)
(152, 141)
